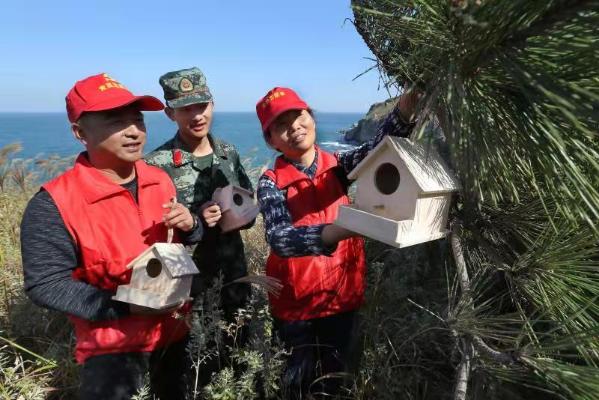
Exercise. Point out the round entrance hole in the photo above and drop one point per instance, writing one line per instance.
(386, 178)
(154, 268)
(238, 199)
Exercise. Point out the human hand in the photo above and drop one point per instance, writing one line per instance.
(178, 217)
(333, 234)
(211, 213)
(408, 101)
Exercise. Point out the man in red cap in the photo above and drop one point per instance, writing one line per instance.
(81, 230)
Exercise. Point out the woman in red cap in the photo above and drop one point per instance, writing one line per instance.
(321, 265)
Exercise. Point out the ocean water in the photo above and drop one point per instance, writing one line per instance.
(45, 134)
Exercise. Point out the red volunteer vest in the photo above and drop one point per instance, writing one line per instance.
(109, 230)
(316, 286)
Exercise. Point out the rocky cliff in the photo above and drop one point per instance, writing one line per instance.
(367, 126)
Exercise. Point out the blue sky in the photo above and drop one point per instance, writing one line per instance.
(243, 47)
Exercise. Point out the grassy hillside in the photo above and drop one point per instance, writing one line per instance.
(403, 348)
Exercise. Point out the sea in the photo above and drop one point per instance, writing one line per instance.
(42, 135)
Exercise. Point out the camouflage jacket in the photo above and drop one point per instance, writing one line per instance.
(217, 252)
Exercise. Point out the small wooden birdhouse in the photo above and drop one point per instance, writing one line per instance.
(161, 277)
(403, 194)
(237, 206)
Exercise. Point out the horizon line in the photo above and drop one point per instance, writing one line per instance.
(219, 111)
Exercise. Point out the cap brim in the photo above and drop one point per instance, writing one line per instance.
(144, 103)
(188, 100)
(300, 105)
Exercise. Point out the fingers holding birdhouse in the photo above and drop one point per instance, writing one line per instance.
(178, 216)
(211, 213)
(333, 234)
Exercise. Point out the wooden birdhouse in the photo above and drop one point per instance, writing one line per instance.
(237, 206)
(161, 277)
(403, 194)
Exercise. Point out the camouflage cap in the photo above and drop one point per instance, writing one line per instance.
(185, 87)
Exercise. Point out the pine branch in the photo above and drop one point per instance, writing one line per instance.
(471, 341)
(514, 87)
(559, 14)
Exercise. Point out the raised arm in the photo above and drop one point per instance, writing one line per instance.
(398, 123)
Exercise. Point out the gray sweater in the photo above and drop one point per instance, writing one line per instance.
(50, 256)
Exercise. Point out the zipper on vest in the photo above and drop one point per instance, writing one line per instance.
(136, 205)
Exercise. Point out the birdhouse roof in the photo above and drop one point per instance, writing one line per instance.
(429, 171)
(173, 256)
(243, 191)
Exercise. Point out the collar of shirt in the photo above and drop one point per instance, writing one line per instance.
(186, 157)
(309, 171)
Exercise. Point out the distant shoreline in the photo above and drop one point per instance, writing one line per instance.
(42, 134)
(216, 112)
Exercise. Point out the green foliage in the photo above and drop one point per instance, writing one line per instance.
(20, 379)
(145, 392)
(404, 339)
(6, 154)
(37, 361)
(515, 86)
(23, 378)
(250, 371)
(515, 89)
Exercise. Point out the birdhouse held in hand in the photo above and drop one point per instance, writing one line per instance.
(238, 207)
(403, 194)
(161, 277)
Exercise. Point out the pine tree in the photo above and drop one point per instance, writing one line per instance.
(514, 85)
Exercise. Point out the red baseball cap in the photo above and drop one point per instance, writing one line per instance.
(101, 92)
(276, 102)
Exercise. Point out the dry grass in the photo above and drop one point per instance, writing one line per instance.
(396, 338)
(36, 345)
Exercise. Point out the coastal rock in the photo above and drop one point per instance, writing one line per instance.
(366, 128)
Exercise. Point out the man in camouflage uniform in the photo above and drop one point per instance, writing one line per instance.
(199, 163)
